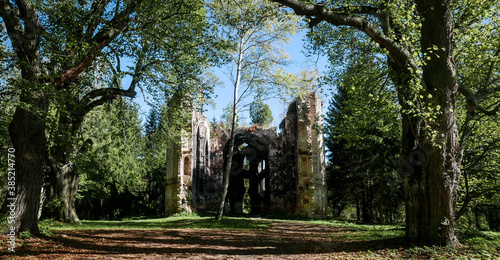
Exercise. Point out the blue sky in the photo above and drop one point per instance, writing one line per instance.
(224, 94)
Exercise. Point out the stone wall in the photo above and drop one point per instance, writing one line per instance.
(285, 171)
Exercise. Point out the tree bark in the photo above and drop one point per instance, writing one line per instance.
(27, 128)
(61, 192)
(27, 132)
(431, 189)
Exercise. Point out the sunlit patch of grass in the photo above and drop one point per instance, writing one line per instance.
(194, 222)
(359, 232)
(485, 243)
(366, 235)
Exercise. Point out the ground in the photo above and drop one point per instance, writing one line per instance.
(234, 239)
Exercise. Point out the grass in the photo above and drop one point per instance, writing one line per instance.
(479, 244)
(358, 232)
(192, 222)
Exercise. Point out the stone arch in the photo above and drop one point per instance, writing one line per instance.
(252, 147)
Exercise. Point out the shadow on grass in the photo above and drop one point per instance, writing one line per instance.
(168, 223)
(231, 237)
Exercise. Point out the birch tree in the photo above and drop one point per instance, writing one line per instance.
(256, 31)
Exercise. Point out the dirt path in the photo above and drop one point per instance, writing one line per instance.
(283, 240)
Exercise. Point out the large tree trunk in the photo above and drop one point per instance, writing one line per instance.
(62, 178)
(61, 193)
(27, 128)
(431, 146)
(27, 132)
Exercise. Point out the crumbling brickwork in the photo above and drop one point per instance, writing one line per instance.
(284, 171)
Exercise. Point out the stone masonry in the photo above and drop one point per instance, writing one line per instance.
(285, 171)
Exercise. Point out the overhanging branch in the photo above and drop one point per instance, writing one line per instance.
(341, 17)
(117, 25)
(473, 104)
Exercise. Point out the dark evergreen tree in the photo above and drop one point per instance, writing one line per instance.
(363, 144)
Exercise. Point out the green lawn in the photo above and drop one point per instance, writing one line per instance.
(479, 244)
(194, 222)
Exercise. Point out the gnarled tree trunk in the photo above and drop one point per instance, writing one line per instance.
(62, 177)
(431, 146)
(27, 132)
(61, 192)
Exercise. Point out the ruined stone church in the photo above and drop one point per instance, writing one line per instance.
(285, 171)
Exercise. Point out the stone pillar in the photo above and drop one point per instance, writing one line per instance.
(311, 185)
(172, 187)
(305, 184)
(318, 156)
(201, 162)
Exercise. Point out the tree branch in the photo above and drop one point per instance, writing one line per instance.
(473, 104)
(396, 51)
(96, 11)
(117, 25)
(24, 39)
(103, 95)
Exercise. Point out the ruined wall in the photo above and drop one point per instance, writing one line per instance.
(310, 157)
(285, 171)
(187, 166)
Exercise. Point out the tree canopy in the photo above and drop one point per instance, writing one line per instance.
(61, 48)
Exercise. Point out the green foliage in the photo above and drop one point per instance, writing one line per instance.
(184, 214)
(25, 235)
(114, 167)
(362, 131)
(257, 31)
(53, 205)
(477, 58)
(247, 202)
(297, 85)
(84, 55)
(227, 117)
(478, 191)
(260, 113)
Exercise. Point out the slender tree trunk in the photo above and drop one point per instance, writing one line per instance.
(468, 198)
(358, 208)
(227, 170)
(466, 131)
